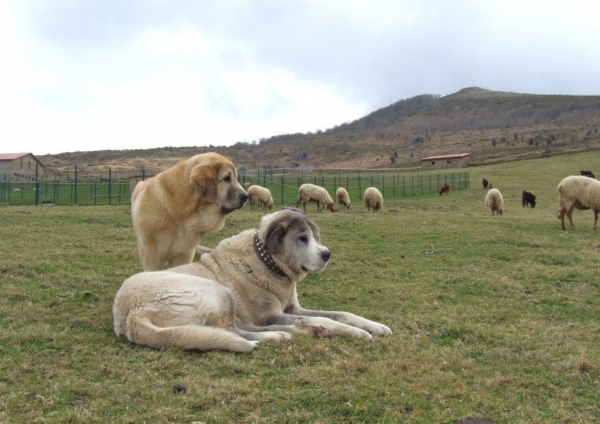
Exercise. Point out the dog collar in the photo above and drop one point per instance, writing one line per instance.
(264, 256)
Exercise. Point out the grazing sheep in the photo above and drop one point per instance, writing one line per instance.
(260, 194)
(314, 193)
(342, 197)
(485, 183)
(527, 199)
(576, 192)
(373, 199)
(587, 174)
(490, 186)
(494, 201)
(445, 189)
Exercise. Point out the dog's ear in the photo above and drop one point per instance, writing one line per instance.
(274, 236)
(204, 177)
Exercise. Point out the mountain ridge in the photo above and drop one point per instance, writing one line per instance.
(493, 126)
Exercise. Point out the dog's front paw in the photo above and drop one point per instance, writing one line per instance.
(372, 327)
(362, 334)
(378, 329)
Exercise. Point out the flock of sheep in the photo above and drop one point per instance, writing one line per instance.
(574, 192)
(373, 199)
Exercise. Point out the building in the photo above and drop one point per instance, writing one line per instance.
(459, 160)
(20, 167)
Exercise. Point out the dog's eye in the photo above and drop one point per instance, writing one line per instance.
(303, 239)
(227, 179)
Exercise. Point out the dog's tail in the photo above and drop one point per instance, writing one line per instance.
(192, 337)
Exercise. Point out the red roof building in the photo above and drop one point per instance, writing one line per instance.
(447, 161)
(20, 167)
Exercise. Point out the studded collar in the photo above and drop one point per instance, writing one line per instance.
(261, 251)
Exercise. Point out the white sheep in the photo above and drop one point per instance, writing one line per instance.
(494, 201)
(314, 193)
(260, 194)
(342, 197)
(577, 192)
(373, 199)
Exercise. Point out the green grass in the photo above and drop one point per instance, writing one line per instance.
(492, 317)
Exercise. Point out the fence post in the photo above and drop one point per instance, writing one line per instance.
(110, 186)
(37, 185)
(282, 183)
(75, 188)
(359, 188)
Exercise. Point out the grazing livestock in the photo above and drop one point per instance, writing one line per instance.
(485, 183)
(445, 189)
(373, 199)
(342, 197)
(494, 201)
(528, 199)
(577, 192)
(314, 193)
(258, 194)
(587, 174)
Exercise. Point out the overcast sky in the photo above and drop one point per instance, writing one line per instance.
(79, 75)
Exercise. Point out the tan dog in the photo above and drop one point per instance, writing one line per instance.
(241, 293)
(172, 211)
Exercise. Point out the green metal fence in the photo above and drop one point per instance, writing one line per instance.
(283, 184)
(392, 184)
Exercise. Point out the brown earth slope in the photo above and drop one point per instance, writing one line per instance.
(493, 126)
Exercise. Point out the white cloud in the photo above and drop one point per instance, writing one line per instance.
(126, 74)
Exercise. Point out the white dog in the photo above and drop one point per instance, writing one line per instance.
(241, 293)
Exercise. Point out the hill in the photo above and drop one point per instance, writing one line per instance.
(494, 126)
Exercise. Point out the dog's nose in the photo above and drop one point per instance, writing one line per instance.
(243, 197)
(326, 254)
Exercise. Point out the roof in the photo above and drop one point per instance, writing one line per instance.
(455, 156)
(13, 156)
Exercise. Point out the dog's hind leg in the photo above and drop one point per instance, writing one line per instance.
(192, 337)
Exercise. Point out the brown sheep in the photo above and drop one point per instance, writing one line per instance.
(445, 189)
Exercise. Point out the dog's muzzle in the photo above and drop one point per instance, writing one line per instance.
(242, 197)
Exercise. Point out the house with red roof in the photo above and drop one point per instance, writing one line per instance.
(20, 167)
(459, 160)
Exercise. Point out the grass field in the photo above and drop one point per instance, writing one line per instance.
(495, 317)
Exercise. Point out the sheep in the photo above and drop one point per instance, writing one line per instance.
(314, 193)
(373, 199)
(527, 199)
(259, 194)
(342, 197)
(577, 192)
(445, 189)
(494, 201)
(587, 173)
(485, 183)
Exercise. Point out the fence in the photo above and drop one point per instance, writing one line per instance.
(283, 184)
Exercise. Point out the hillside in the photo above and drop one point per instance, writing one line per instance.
(494, 126)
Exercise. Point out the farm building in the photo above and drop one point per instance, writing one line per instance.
(459, 160)
(20, 167)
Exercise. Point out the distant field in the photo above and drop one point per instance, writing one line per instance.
(493, 317)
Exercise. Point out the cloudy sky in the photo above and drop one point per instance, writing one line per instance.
(79, 75)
